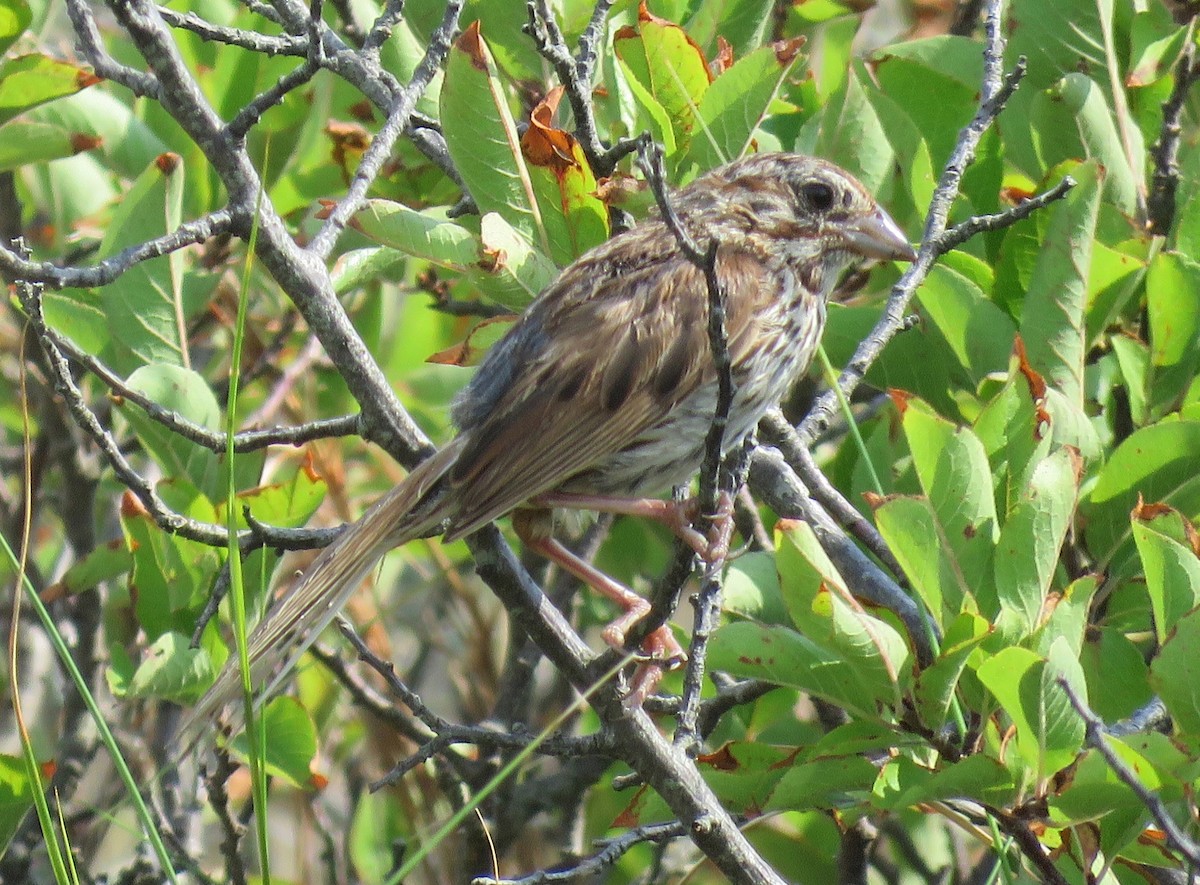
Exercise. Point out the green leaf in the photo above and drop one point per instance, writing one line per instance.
(291, 741)
(1014, 428)
(30, 80)
(76, 315)
(785, 657)
(187, 394)
(1117, 675)
(909, 526)
(171, 575)
(1159, 464)
(15, 17)
(514, 262)
(744, 23)
(851, 135)
(565, 186)
(1052, 320)
(1171, 281)
(667, 64)
(1171, 566)
(102, 563)
(1072, 120)
(288, 503)
(977, 777)
(1175, 673)
(936, 683)
(25, 142)
(824, 783)
(1032, 538)
(978, 332)
(820, 604)
(953, 470)
(144, 306)
(736, 103)
(945, 66)
(172, 671)
(426, 234)
(751, 588)
(1049, 731)
(16, 797)
(481, 136)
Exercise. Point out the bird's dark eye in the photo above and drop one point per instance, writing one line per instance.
(818, 195)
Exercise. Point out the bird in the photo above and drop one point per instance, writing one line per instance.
(601, 394)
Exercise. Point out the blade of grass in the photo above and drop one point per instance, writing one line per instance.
(501, 776)
(32, 769)
(106, 736)
(255, 728)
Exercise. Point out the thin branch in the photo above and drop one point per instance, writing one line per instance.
(960, 233)
(1095, 730)
(214, 441)
(104, 272)
(995, 92)
(1164, 182)
(575, 75)
(595, 865)
(253, 41)
(249, 116)
(137, 82)
(399, 117)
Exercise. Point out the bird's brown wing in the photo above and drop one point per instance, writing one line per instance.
(612, 366)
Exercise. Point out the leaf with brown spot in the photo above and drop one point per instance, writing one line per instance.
(479, 340)
(565, 187)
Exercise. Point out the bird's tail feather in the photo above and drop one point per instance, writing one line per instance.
(293, 624)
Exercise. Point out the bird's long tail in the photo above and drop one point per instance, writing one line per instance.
(275, 646)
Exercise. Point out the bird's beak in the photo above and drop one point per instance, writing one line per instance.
(878, 236)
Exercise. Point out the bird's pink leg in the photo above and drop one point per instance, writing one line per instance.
(660, 645)
(677, 516)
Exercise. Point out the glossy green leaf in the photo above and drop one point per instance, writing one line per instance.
(30, 80)
(188, 395)
(25, 142)
(785, 657)
(668, 65)
(1032, 538)
(977, 777)
(735, 105)
(751, 588)
(16, 797)
(481, 135)
(819, 601)
(1159, 464)
(564, 184)
(1175, 673)
(1052, 321)
(1049, 731)
(909, 526)
(172, 575)
(936, 683)
(1014, 428)
(1072, 120)
(851, 135)
(171, 670)
(1117, 674)
(978, 332)
(824, 783)
(144, 306)
(745, 24)
(1171, 566)
(291, 742)
(952, 467)
(15, 17)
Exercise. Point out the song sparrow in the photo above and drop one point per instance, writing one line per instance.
(606, 387)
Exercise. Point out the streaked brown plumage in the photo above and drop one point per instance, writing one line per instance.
(606, 384)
